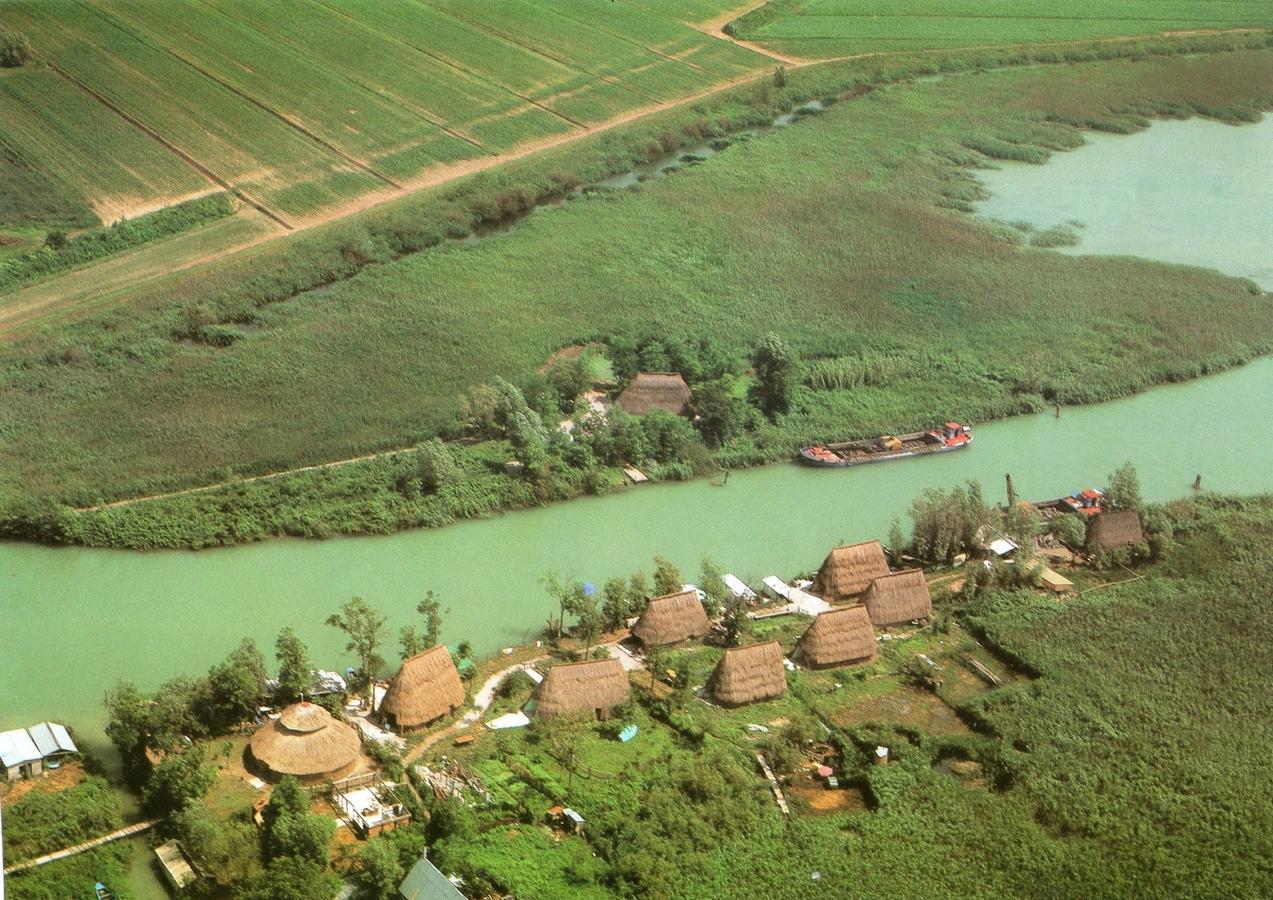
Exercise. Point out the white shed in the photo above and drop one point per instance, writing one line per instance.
(19, 755)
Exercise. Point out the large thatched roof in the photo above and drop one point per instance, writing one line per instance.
(425, 688)
(848, 571)
(837, 637)
(749, 674)
(671, 618)
(897, 598)
(1112, 530)
(594, 686)
(307, 742)
(655, 390)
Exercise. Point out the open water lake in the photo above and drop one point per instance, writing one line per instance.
(1196, 191)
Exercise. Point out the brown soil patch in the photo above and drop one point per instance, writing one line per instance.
(905, 706)
(811, 795)
(68, 775)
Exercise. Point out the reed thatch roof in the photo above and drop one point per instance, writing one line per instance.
(425, 688)
(848, 571)
(897, 598)
(837, 637)
(671, 618)
(748, 675)
(655, 390)
(594, 686)
(1112, 530)
(305, 741)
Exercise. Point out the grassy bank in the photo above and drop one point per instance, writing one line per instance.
(845, 233)
(1107, 764)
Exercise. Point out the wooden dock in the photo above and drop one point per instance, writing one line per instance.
(125, 832)
(773, 783)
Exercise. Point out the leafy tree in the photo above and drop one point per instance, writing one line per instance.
(1122, 489)
(948, 522)
(568, 595)
(379, 872)
(129, 721)
(667, 577)
(226, 851)
(414, 641)
(721, 412)
(638, 593)
(521, 424)
(15, 49)
(1022, 523)
(896, 542)
(614, 603)
(666, 435)
(56, 240)
(179, 780)
(288, 878)
(737, 624)
(477, 410)
(287, 799)
(436, 464)
(295, 671)
(712, 583)
(173, 715)
(780, 76)
(1070, 529)
(364, 627)
(235, 688)
(588, 615)
(306, 837)
(775, 365)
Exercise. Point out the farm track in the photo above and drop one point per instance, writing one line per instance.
(29, 306)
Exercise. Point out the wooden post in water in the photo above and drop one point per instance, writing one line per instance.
(1197, 482)
(1058, 410)
(1012, 494)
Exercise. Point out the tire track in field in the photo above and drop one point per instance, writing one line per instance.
(502, 35)
(450, 64)
(186, 157)
(423, 112)
(262, 105)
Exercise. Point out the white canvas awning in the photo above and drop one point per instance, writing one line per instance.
(738, 588)
(778, 586)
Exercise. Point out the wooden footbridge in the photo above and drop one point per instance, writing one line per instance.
(127, 831)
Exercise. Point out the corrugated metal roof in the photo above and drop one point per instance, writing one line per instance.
(425, 882)
(16, 748)
(52, 738)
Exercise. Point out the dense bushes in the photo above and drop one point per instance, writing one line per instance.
(61, 253)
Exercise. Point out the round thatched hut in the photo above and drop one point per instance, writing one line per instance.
(307, 743)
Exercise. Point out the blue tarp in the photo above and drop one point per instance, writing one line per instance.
(628, 733)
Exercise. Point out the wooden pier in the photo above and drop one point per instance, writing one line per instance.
(125, 832)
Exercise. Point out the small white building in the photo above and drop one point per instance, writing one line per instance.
(25, 751)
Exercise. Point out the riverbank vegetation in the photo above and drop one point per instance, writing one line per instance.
(964, 320)
(1092, 768)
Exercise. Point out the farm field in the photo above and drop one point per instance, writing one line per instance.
(825, 28)
(309, 115)
(809, 231)
(1108, 763)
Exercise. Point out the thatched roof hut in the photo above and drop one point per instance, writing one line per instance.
(837, 637)
(592, 687)
(749, 675)
(427, 687)
(671, 618)
(897, 598)
(848, 571)
(655, 390)
(1112, 530)
(305, 741)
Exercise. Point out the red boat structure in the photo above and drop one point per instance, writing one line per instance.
(951, 436)
(1088, 502)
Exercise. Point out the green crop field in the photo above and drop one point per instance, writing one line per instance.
(813, 231)
(822, 28)
(307, 112)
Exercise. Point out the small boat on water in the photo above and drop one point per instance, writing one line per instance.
(951, 436)
(1087, 502)
(102, 892)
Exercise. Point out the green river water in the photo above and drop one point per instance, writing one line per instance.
(73, 620)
